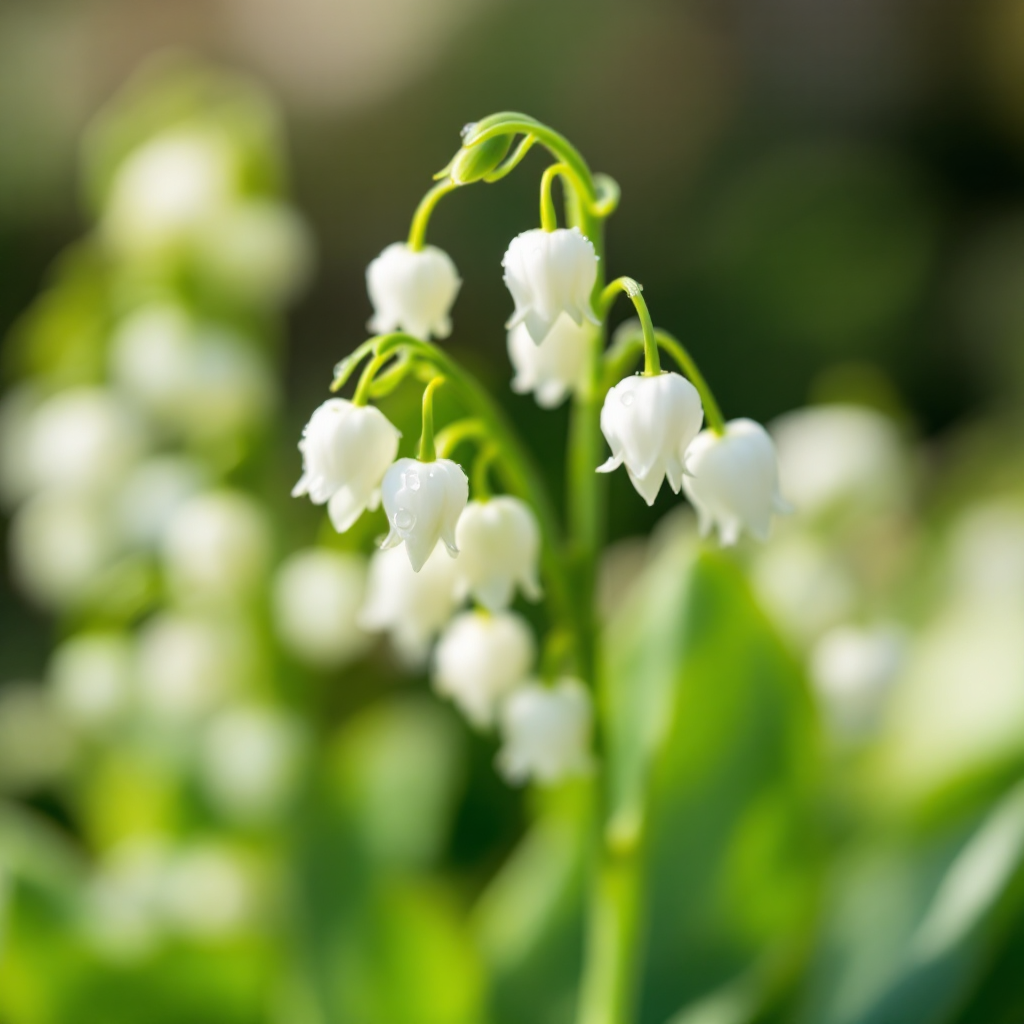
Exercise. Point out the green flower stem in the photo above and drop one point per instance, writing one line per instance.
(608, 994)
(652, 362)
(421, 218)
(524, 147)
(677, 351)
(449, 438)
(518, 471)
(427, 450)
(548, 217)
(365, 384)
(481, 468)
(344, 370)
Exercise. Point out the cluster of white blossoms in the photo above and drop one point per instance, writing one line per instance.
(652, 423)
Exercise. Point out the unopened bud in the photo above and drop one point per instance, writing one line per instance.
(474, 162)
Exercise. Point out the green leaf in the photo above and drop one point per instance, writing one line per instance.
(712, 757)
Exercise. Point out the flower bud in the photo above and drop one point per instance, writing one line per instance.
(550, 273)
(546, 732)
(346, 450)
(410, 606)
(472, 163)
(423, 502)
(556, 367)
(499, 544)
(733, 481)
(412, 291)
(479, 659)
(648, 423)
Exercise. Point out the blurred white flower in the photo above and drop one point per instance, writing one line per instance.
(550, 273)
(17, 410)
(803, 586)
(317, 597)
(423, 502)
(840, 455)
(986, 551)
(648, 423)
(853, 669)
(201, 380)
(91, 676)
(206, 890)
(82, 438)
(346, 450)
(217, 547)
(166, 189)
(153, 492)
(411, 607)
(412, 291)
(59, 542)
(499, 546)
(555, 368)
(735, 481)
(479, 659)
(250, 761)
(188, 665)
(36, 747)
(122, 902)
(546, 732)
(259, 250)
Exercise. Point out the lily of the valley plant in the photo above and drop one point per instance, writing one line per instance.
(493, 547)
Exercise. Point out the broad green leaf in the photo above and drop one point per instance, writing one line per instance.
(711, 751)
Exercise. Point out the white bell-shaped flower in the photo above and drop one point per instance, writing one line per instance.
(479, 659)
(499, 545)
(412, 291)
(423, 502)
(648, 423)
(733, 481)
(555, 368)
(346, 449)
(411, 607)
(546, 732)
(550, 273)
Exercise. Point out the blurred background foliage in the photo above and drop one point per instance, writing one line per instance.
(223, 802)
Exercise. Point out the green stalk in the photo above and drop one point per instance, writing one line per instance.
(427, 451)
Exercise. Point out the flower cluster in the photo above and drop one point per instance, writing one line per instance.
(652, 423)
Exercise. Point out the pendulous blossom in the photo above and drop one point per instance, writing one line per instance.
(423, 502)
(346, 449)
(550, 273)
(499, 545)
(555, 368)
(733, 481)
(648, 423)
(412, 291)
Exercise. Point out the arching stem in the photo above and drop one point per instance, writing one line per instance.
(629, 287)
(421, 218)
(427, 450)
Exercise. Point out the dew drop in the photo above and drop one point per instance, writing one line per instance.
(404, 520)
(412, 481)
(627, 398)
(467, 128)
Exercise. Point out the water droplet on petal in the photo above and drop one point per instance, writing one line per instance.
(404, 520)
(412, 481)
(627, 398)
(467, 128)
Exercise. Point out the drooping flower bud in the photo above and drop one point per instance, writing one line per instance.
(546, 732)
(412, 291)
(423, 502)
(499, 544)
(479, 659)
(346, 449)
(550, 273)
(411, 607)
(648, 423)
(733, 481)
(556, 367)
(474, 162)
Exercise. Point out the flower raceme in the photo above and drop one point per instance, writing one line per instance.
(648, 423)
(412, 291)
(733, 481)
(480, 658)
(499, 545)
(550, 273)
(423, 502)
